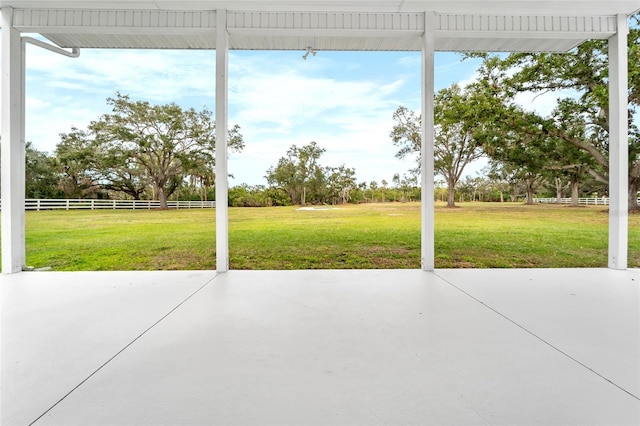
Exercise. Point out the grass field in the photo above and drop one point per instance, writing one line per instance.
(476, 235)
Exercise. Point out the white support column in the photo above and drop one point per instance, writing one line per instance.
(222, 180)
(13, 156)
(427, 148)
(23, 139)
(618, 147)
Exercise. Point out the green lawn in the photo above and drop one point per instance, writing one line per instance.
(476, 235)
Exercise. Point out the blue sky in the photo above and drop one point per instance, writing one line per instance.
(344, 101)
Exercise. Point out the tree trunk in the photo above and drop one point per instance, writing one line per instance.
(162, 197)
(293, 194)
(304, 195)
(575, 191)
(558, 191)
(529, 196)
(451, 200)
(634, 187)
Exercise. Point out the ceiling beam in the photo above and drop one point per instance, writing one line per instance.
(46, 20)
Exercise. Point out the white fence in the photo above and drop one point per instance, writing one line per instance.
(67, 204)
(581, 201)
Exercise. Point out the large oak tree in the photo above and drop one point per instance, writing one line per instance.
(581, 119)
(455, 143)
(140, 145)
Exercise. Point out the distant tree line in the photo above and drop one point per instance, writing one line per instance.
(43, 180)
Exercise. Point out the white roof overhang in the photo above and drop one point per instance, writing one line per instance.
(367, 25)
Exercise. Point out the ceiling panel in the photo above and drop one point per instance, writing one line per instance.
(509, 7)
(323, 25)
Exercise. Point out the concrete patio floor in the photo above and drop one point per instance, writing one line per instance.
(351, 347)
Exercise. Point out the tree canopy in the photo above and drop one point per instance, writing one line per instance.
(580, 118)
(301, 176)
(140, 146)
(455, 143)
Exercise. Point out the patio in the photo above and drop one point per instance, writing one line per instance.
(321, 347)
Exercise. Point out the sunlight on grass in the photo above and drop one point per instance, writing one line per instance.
(477, 235)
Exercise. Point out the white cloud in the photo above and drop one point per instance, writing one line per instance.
(279, 103)
(36, 103)
(155, 75)
(289, 98)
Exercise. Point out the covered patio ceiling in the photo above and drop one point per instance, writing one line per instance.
(383, 25)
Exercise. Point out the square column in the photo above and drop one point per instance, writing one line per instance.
(427, 246)
(618, 147)
(13, 150)
(222, 179)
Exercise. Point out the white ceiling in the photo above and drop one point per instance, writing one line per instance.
(508, 7)
(469, 25)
